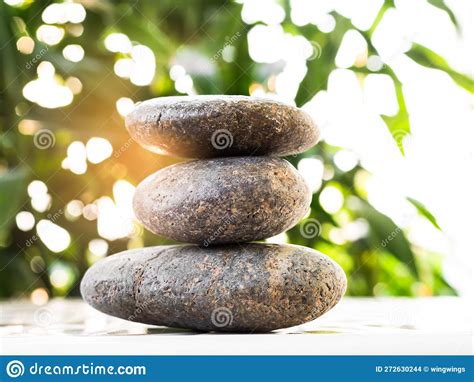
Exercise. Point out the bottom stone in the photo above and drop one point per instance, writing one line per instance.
(233, 288)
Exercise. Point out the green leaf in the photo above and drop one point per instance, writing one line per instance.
(325, 50)
(12, 196)
(10, 61)
(430, 59)
(388, 236)
(424, 211)
(441, 5)
(385, 6)
(399, 125)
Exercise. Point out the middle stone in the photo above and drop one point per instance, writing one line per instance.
(222, 200)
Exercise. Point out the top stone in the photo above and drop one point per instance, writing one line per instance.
(221, 126)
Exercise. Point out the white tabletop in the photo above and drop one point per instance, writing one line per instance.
(356, 326)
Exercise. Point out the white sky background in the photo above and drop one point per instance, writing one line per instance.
(438, 166)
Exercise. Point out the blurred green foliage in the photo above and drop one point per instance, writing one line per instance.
(197, 30)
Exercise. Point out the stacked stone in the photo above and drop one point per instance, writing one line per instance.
(237, 192)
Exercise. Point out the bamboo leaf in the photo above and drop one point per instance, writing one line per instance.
(424, 212)
(430, 59)
(325, 50)
(387, 235)
(12, 194)
(441, 5)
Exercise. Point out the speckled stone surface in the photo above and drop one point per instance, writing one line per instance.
(234, 288)
(221, 126)
(223, 200)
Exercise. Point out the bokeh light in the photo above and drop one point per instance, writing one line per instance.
(331, 199)
(312, 170)
(74, 84)
(39, 296)
(124, 106)
(73, 52)
(98, 247)
(62, 13)
(61, 276)
(143, 70)
(40, 198)
(118, 42)
(75, 160)
(25, 220)
(98, 149)
(48, 90)
(56, 238)
(74, 209)
(50, 34)
(25, 45)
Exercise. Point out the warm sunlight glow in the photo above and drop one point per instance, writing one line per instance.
(39, 296)
(98, 149)
(110, 224)
(74, 84)
(48, 90)
(76, 158)
(25, 45)
(124, 106)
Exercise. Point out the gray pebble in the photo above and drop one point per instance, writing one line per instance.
(221, 126)
(233, 288)
(223, 200)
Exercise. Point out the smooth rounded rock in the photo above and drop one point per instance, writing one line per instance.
(223, 200)
(234, 288)
(221, 126)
